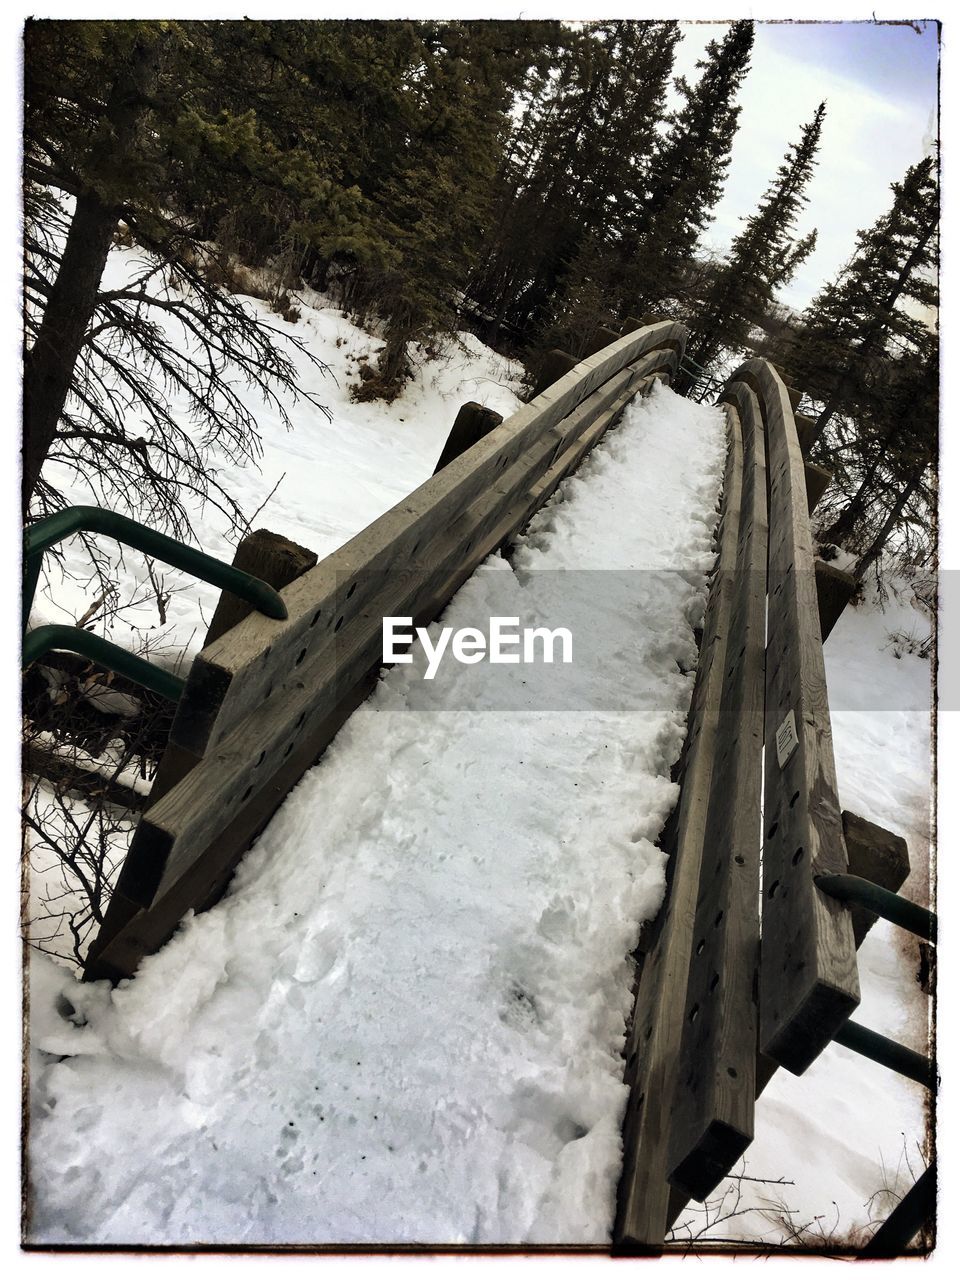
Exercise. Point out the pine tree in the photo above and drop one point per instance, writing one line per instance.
(577, 164)
(763, 257)
(859, 321)
(687, 175)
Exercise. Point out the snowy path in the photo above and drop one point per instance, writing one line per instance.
(404, 1023)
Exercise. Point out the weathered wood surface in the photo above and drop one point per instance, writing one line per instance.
(181, 852)
(875, 854)
(808, 975)
(655, 1039)
(713, 1111)
(553, 367)
(472, 423)
(268, 556)
(835, 589)
(818, 480)
(262, 657)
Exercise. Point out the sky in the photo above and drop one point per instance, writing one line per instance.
(880, 85)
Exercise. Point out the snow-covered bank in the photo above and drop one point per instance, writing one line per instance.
(404, 1023)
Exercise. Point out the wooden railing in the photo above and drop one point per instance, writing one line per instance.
(264, 700)
(722, 1003)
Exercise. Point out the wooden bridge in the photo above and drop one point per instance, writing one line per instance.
(726, 993)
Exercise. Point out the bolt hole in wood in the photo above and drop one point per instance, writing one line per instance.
(246, 795)
(732, 1072)
(353, 587)
(316, 618)
(303, 716)
(718, 919)
(339, 623)
(794, 798)
(714, 981)
(260, 759)
(700, 945)
(268, 693)
(773, 831)
(289, 748)
(300, 657)
(694, 1013)
(771, 892)
(740, 860)
(797, 856)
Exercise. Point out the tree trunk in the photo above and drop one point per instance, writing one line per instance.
(48, 367)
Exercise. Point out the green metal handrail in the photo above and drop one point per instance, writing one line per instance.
(46, 533)
(41, 640)
(39, 537)
(888, 1053)
(891, 906)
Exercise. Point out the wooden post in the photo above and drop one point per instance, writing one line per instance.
(555, 364)
(835, 589)
(795, 398)
(471, 424)
(875, 854)
(806, 432)
(631, 325)
(602, 338)
(268, 556)
(818, 481)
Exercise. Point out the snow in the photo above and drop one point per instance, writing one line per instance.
(405, 1021)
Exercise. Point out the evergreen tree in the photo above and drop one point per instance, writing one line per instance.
(575, 165)
(687, 175)
(859, 321)
(763, 257)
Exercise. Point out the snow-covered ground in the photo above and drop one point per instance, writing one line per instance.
(405, 1021)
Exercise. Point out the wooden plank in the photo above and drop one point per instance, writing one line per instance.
(268, 556)
(258, 660)
(656, 1034)
(875, 854)
(818, 480)
(472, 423)
(808, 974)
(835, 589)
(555, 365)
(806, 432)
(712, 1118)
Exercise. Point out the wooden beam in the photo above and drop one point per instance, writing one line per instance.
(656, 1035)
(554, 365)
(835, 589)
(268, 556)
(875, 854)
(795, 397)
(600, 339)
(472, 423)
(808, 972)
(712, 1113)
(806, 433)
(818, 480)
(234, 676)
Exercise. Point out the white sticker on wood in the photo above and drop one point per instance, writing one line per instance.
(787, 740)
